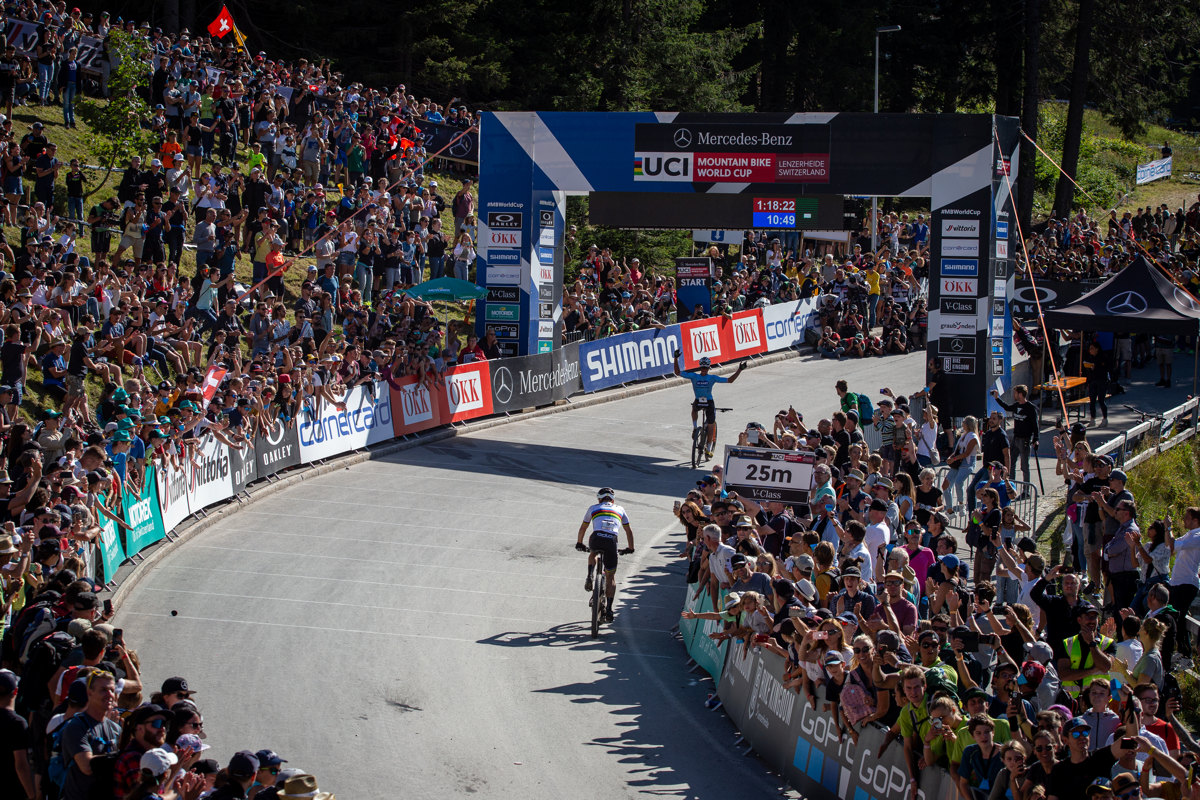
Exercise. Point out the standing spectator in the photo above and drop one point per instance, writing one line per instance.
(68, 83)
(1185, 578)
(75, 182)
(463, 206)
(90, 734)
(46, 169)
(16, 776)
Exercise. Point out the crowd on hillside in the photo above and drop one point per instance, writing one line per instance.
(1023, 680)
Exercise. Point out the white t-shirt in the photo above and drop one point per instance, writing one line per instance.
(719, 563)
(926, 438)
(1130, 652)
(877, 536)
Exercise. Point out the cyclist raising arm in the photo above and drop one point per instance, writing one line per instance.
(605, 518)
(702, 383)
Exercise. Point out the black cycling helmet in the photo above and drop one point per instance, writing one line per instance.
(606, 493)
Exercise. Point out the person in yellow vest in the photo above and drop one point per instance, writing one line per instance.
(1089, 654)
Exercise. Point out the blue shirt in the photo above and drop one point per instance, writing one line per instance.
(702, 384)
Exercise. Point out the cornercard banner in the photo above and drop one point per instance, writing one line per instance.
(363, 417)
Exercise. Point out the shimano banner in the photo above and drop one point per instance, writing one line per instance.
(628, 357)
(535, 380)
(364, 417)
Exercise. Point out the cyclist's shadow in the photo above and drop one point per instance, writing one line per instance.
(567, 634)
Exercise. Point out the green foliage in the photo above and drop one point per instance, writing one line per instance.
(1167, 483)
(117, 123)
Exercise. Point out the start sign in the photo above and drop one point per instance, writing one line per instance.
(764, 475)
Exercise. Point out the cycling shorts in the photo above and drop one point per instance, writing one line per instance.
(705, 405)
(606, 545)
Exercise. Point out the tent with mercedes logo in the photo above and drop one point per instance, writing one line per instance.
(1138, 299)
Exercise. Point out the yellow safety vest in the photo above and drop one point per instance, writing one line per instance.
(1081, 660)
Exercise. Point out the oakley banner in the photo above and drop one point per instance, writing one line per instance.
(243, 466)
(535, 380)
(278, 449)
(1049, 294)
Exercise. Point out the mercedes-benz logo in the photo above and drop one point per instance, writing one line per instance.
(683, 138)
(502, 385)
(1185, 299)
(956, 345)
(1127, 304)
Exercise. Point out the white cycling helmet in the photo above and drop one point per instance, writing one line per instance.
(606, 493)
(705, 362)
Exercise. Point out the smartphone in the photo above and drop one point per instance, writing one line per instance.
(1129, 743)
(108, 607)
(820, 635)
(118, 636)
(752, 436)
(936, 722)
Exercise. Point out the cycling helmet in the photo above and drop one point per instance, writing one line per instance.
(705, 362)
(606, 493)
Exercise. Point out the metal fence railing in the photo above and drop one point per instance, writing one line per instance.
(1156, 434)
(1024, 505)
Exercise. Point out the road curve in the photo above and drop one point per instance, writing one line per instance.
(418, 622)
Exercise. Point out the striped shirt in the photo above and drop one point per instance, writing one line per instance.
(606, 518)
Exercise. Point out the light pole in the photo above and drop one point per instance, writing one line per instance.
(882, 29)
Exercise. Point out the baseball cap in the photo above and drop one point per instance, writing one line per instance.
(950, 561)
(737, 560)
(833, 657)
(848, 618)
(176, 686)
(1032, 673)
(1124, 780)
(1075, 722)
(8, 681)
(804, 563)
(148, 712)
(158, 760)
(1118, 475)
(269, 758)
(1039, 652)
(243, 764)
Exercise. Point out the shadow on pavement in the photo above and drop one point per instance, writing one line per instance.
(669, 742)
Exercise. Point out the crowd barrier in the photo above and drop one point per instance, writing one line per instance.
(374, 413)
(799, 742)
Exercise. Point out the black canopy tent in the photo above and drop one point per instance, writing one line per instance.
(1138, 299)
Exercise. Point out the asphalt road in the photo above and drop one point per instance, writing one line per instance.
(418, 623)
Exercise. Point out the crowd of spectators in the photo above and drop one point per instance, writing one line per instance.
(871, 303)
(1021, 679)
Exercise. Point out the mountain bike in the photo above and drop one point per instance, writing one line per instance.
(700, 439)
(599, 599)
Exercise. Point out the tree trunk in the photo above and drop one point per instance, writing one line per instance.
(1029, 113)
(1064, 194)
(1008, 60)
(170, 16)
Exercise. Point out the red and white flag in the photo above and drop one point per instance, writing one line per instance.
(222, 25)
(212, 382)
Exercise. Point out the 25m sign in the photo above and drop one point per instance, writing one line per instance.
(785, 476)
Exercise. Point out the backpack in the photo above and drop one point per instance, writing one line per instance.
(866, 410)
(45, 657)
(857, 702)
(34, 622)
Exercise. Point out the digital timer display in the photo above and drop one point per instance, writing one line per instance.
(785, 212)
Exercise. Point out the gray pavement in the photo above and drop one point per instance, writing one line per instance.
(418, 622)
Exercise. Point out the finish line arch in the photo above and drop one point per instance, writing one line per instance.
(716, 166)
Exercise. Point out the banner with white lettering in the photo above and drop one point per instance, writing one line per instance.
(463, 147)
(704, 651)
(112, 553)
(466, 392)
(413, 406)
(628, 357)
(243, 466)
(1160, 168)
(362, 417)
(142, 515)
(535, 380)
(278, 449)
(25, 36)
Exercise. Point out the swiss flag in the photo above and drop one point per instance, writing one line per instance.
(212, 381)
(222, 25)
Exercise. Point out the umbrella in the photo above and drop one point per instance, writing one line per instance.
(447, 289)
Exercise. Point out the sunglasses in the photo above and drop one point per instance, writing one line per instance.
(929, 645)
(1080, 734)
(940, 629)
(1135, 791)
(157, 724)
(862, 651)
(892, 583)
(1043, 748)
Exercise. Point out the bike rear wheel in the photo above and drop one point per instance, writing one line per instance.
(598, 590)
